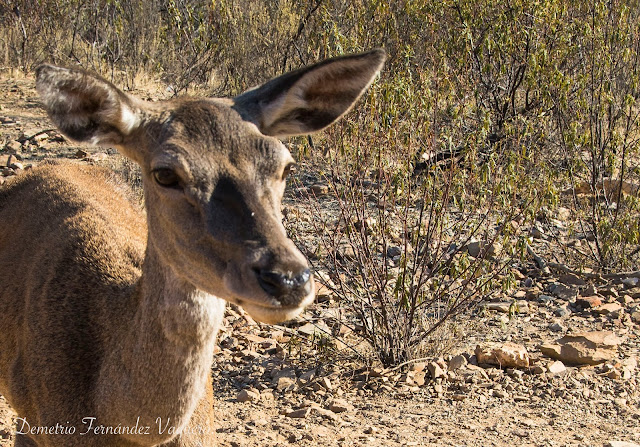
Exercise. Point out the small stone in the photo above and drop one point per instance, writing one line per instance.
(435, 370)
(371, 430)
(247, 396)
(557, 367)
(346, 251)
(562, 312)
(419, 378)
(457, 362)
(417, 366)
(630, 283)
(13, 146)
(563, 292)
(563, 213)
(285, 383)
(501, 394)
(299, 414)
(572, 280)
(81, 154)
(317, 329)
(590, 290)
(340, 406)
(326, 383)
(538, 369)
(319, 189)
(557, 327)
(588, 302)
(545, 299)
(394, 251)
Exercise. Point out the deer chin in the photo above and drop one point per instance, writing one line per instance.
(270, 315)
(270, 311)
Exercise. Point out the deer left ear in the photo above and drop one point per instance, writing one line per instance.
(309, 99)
(86, 107)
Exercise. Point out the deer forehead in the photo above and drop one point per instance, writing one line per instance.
(208, 135)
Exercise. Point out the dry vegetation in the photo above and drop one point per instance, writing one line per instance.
(488, 116)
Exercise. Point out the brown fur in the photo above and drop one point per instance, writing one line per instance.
(105, 314)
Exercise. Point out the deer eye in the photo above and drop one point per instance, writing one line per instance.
(291, 167)
(167, 178)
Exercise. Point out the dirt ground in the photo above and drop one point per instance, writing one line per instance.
(268, 395)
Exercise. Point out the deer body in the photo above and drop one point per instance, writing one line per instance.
(108, 319)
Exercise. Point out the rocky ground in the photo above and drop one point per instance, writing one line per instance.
(554, 363)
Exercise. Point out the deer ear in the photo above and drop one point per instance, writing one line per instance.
(86, 107)
(309, 99)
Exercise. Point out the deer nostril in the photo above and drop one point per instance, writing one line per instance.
(278, 284)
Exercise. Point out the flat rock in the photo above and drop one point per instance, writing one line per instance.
(588, 348)
(589, 302)
(340, 406)
(299, 414)
(609, 308)
(572, 280)
(621, 444)
(630, 283)
(563, 291)
(506, 355)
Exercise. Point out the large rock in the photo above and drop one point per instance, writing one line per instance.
(621, 444)
(506, 355)
(588, 348)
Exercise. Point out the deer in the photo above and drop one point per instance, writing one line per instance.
(109, 311)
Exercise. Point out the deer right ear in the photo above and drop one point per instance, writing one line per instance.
(86, 107)
(311, 98)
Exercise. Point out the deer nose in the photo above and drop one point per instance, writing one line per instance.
(285, 284)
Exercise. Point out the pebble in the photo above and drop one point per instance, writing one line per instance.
(247, 396)
(457, 362)
(340, 406)
(435, 370)
(299, 414)
(563, 291)
(630, 283)
(562, 312)
(589, 302)
(557, 327)
(557, 367)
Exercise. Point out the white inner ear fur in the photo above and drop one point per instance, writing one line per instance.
(129, 119)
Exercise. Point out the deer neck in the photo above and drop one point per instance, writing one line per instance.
(187, 317)
(159, 370)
